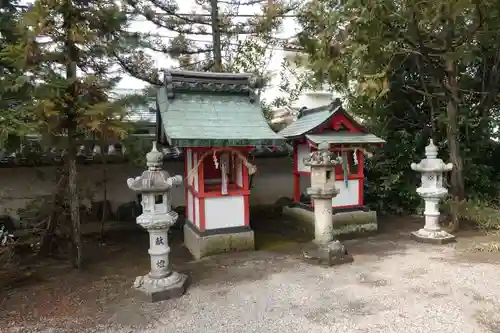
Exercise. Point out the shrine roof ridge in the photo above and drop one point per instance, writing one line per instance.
(310, 119)
(332, 106)
(209, 82)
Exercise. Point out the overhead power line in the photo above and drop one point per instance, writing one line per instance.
(136, 19)
(187, 14)
(225, 15)
(209, 41)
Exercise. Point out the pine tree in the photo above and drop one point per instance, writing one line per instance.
(13, 91)
(67, 51)
(238, 42)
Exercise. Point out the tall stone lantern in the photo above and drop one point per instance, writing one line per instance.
(432, 191)
(157, 217)
(325, 250)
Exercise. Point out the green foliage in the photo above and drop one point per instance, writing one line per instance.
(295, 78)
(484, 215)
(137, 148)
(65, 52)
(14, 90)
(70, 84)
(414, 71)
(358, 43)
(401, 118)
(251, 56)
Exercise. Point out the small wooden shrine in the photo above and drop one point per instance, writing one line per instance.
(347, 138)
(217, 119)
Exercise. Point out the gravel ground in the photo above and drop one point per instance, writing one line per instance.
(397, 287)
(413, 291)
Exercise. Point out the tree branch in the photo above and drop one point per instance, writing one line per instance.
(423, 93)
(428, 96)
(169, 10)
(134, 71)
(241, 3)
(470, 34)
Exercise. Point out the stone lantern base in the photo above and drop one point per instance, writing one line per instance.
(155, 290)
(432, 236)
(330, 254)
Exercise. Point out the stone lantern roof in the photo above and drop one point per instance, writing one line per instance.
(431, 163)
(323, 157)
(154, 179)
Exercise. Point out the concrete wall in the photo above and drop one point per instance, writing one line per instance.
(18, 186)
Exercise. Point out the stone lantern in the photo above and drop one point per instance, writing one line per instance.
(432, 191)
(325, 250)
(157, 217)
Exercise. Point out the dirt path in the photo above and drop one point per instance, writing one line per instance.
(393, 285)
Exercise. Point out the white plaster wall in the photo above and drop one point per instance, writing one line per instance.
(303, 151)
(18, 186)
(348, 195)
(190, 207)
(309, 99)
(313, 99)
(224, 212)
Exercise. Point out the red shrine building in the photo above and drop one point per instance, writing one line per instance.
(347, 138)
(216, 119)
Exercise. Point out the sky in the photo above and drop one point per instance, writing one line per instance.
(288, 29)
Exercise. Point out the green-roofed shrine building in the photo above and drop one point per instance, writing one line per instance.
(348, 139)
(217, 119)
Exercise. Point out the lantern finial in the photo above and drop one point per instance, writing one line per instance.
(431, 151)
(154, 159)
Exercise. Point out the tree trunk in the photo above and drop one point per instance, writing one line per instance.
(216, 36)
(105, 194)
(71, 126)
(74, 206)
(457, 176)
(53, 220)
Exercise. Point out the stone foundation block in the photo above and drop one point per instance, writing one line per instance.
(331, 254)
(202, 246)
(432, 237)
(344, 223)
(156, 293)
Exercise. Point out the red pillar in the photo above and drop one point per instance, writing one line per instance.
(296, 174)
(361, 174)
(201, 190)
(187, 168)
(245, 178)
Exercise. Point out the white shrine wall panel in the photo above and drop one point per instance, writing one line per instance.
(303, 151)
(189, 156)
(348, 196)
(190, 207)
(197, 211)
(224, 212)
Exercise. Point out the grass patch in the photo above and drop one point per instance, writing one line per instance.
(481, 215)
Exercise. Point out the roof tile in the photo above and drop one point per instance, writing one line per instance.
(344, 138)
(195, 119)
(307, 123)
